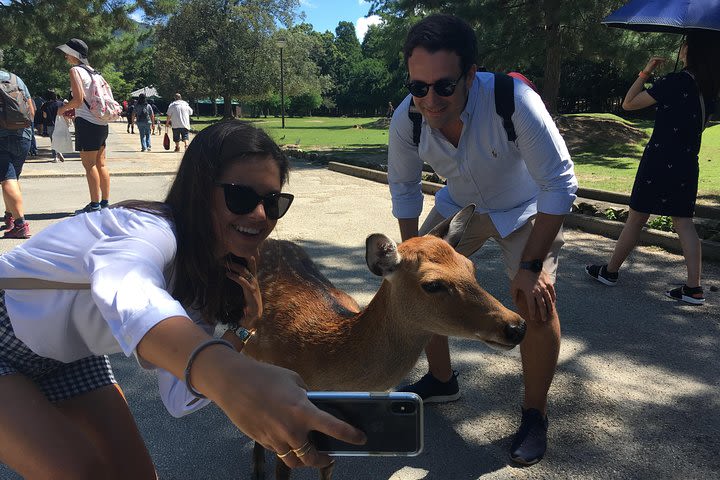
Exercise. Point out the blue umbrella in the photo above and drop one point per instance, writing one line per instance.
(672, 16)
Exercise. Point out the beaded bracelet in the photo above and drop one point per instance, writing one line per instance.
(644, 75)
(191, 359)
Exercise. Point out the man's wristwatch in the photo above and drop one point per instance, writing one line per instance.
(535, 266)
(241, 333)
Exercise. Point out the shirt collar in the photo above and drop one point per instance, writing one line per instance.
(473, 94)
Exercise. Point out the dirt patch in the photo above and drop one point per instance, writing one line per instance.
(580, 131)
(380, 124)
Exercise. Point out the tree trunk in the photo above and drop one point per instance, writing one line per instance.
(553, 54)
(227, 110)
(214, 102)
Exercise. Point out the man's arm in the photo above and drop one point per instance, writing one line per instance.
(408, 228)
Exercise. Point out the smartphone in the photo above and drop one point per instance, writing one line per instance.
(392, 422)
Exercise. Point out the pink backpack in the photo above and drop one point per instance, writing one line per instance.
(100, 101)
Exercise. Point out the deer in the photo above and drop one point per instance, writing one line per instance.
(321, 333)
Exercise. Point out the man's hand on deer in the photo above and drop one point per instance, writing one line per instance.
(538, 293)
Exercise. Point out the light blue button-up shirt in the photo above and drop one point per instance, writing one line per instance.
(510, 181)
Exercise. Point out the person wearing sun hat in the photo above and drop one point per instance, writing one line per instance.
(90, 131)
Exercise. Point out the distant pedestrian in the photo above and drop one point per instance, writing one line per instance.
(14, 149)
(390, 110)
(156, 113)
(90, 131)
(666, 182)
(129, 116)
(48, 111)
(144, 118)
(178, 115)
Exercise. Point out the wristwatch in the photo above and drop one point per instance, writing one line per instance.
(535, 266)
(242, 333)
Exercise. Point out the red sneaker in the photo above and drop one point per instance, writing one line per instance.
(23, 231)
(9, 221)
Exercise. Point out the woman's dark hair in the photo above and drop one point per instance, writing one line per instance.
(51, 95)
(443, 32)
(142, 98)
(703, 60)
(200, 279)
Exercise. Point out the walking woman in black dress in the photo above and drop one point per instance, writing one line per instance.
(666, 182)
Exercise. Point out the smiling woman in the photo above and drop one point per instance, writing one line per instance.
(150, 279)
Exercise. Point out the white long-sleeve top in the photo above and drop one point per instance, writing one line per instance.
(510, 181)
(126, 256)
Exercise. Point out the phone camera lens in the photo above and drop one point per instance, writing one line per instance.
(403, 407)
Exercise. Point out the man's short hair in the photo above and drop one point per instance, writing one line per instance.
(178, 96)
(443, 32)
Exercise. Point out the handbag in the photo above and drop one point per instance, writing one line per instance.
(61, 140)
(166, 142)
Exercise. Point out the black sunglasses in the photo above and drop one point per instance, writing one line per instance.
(443, 88)
(242, 200)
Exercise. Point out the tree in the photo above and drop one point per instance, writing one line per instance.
(220, 47)
(31, 29)
(536, 37)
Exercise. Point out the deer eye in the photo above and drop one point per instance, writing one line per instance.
(434, 287)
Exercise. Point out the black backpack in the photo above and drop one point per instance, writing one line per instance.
(141, 113)
(504, 106)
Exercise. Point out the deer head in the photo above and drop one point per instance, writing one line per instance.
(438, 288)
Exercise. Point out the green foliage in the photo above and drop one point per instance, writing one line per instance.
(304, 103)
(227, 56)
(661, 223)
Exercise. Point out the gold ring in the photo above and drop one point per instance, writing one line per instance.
(299, 452)
(283, 455)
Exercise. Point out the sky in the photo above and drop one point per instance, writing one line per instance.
(326, 14)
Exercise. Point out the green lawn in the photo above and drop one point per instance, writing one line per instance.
(599, 163)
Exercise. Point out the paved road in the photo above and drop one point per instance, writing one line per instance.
(635, 395)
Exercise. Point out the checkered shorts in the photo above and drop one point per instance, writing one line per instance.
(57, 380)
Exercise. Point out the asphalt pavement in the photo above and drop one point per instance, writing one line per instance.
(636, 393)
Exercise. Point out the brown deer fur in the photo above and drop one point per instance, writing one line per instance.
(320, 332)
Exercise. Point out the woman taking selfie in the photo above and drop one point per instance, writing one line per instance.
(666, 182)
(150, 279)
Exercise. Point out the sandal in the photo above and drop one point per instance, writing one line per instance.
(693, 296)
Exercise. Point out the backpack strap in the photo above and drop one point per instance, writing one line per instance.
(505, 103)
(416, 119)
(91, 72)
(39, 284)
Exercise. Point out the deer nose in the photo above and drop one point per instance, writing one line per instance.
(515, 332)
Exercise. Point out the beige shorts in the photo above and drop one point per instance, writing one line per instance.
(481, 228)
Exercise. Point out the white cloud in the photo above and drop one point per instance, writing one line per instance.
(363, 23)
(307, 4)
(363, 2)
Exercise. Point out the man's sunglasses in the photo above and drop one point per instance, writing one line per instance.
(242, 200)
(443, 88)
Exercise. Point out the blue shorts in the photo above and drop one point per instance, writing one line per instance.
(57, 380)
(180, 133)
(13, 152)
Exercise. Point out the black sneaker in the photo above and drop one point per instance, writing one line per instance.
(432, 390)
(104, 204)
(600, 273)
(530, 442)
(90, 207)
(691, 295)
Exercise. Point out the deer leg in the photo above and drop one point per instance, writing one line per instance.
(258, 472)
(282, 471)
(327, 471)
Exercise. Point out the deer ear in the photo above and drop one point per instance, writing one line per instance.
(381, 254)
(452, 229)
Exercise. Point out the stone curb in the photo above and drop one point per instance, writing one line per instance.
(600, 226)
